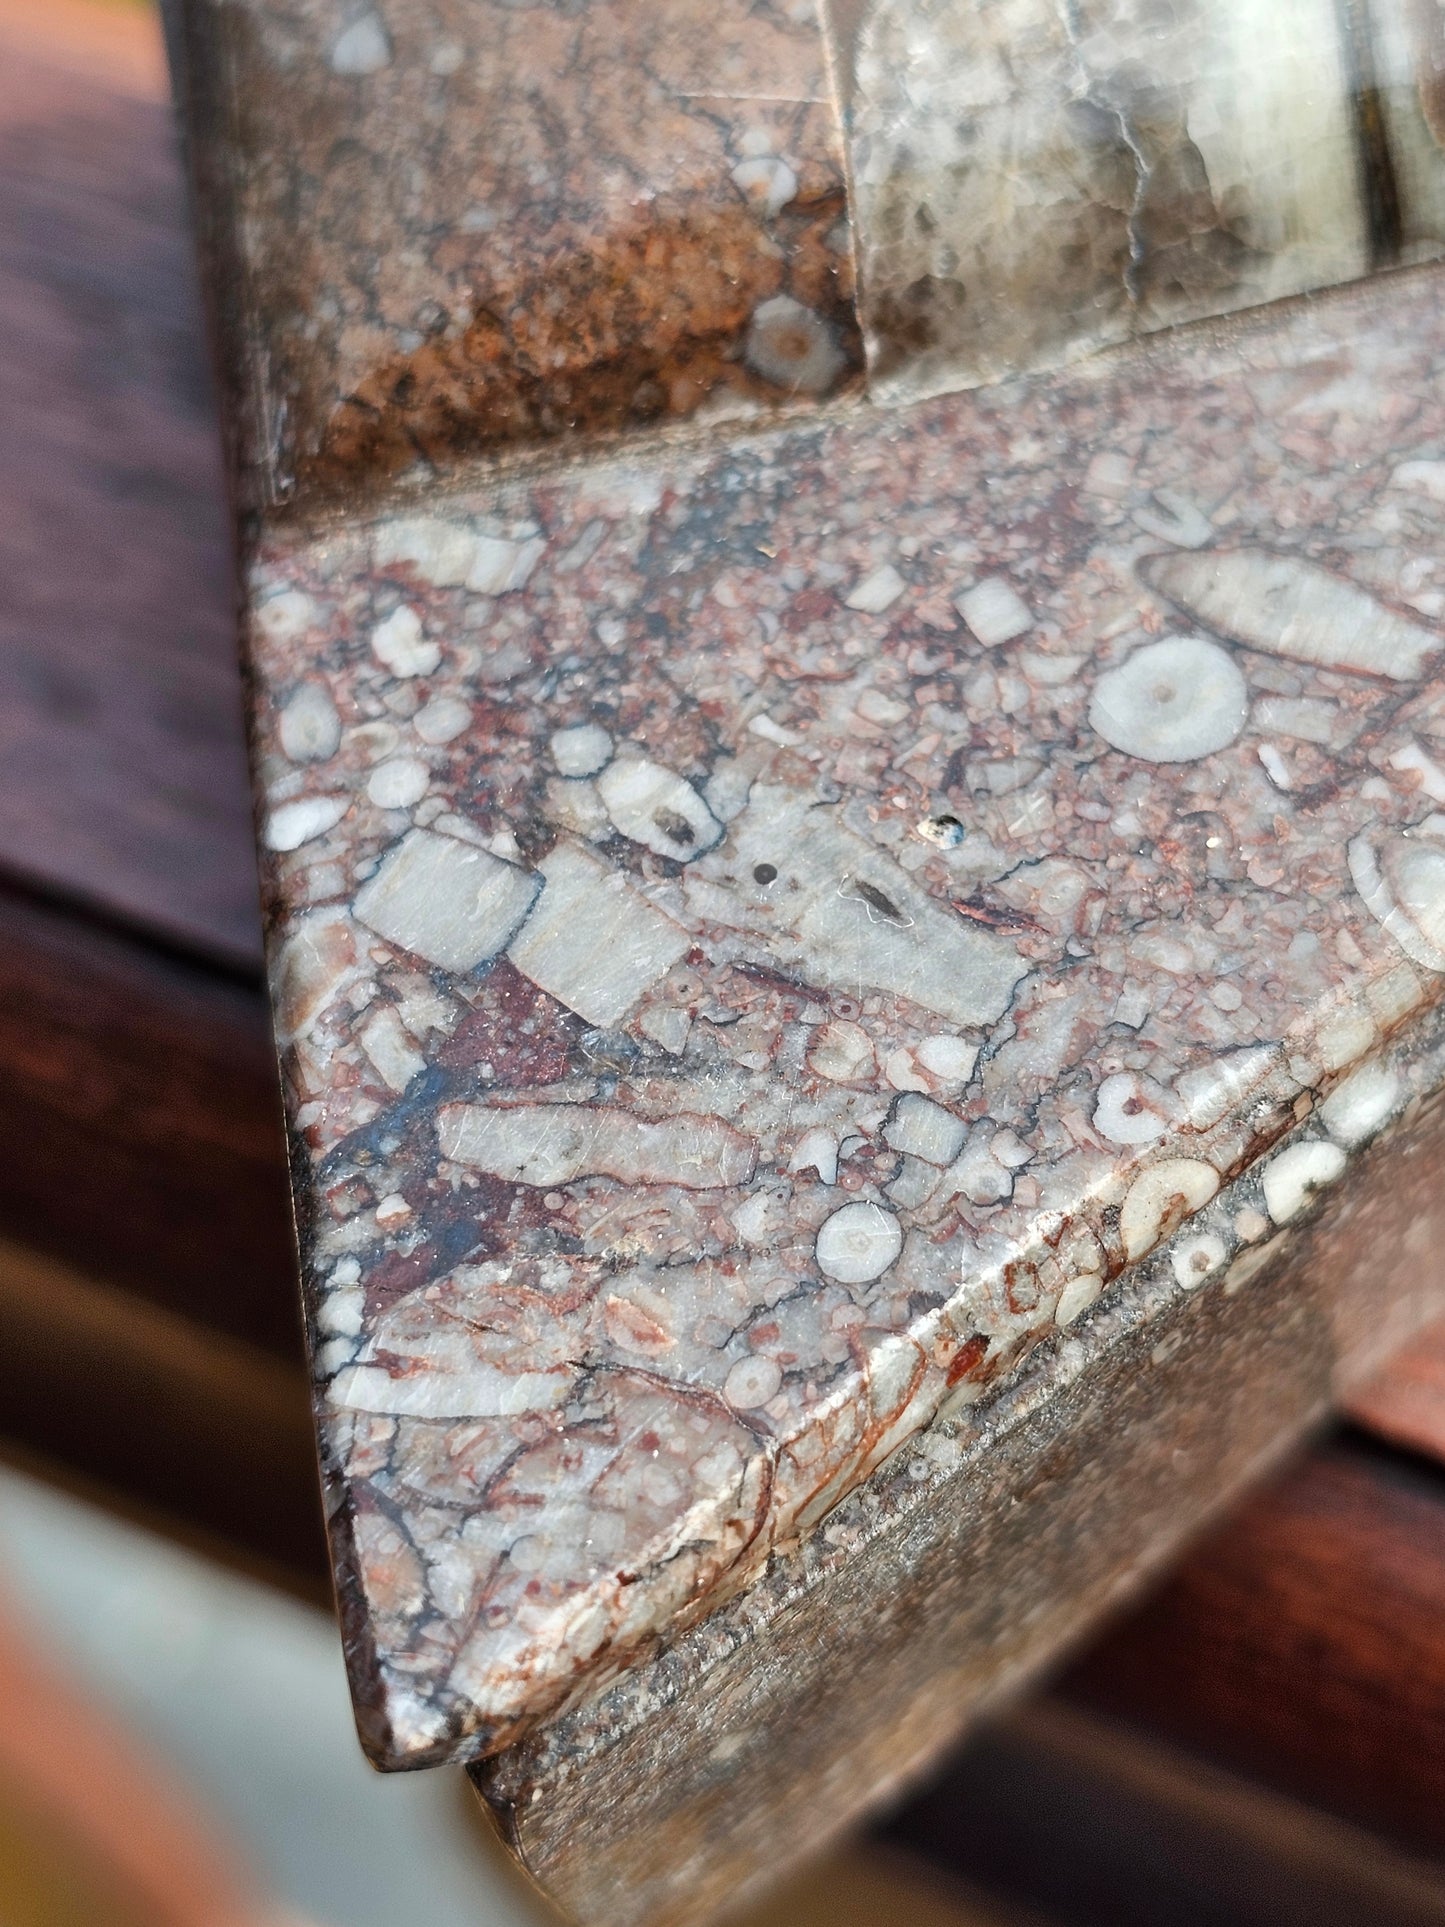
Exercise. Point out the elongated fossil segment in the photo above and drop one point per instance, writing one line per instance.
(1290, 607)
(1040, 178)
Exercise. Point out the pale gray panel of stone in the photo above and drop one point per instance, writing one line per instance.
(1038, 178)
(1406, 52)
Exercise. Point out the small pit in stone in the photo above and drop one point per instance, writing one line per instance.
(946, 831)
(765, 873)
(673, 825)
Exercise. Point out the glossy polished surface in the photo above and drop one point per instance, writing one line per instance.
(766, 935)
(1039, 178)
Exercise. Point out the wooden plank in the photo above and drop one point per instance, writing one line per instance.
(140, 1129)
(122, 774)
(1090, 1824)
(1405, 1403)
(201, 1433)
(1305, 1642)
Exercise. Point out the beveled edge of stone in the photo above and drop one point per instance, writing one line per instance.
(701, 1712)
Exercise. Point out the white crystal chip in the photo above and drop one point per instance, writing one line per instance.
(1291, 1179)
(594, 942)
(654, 806)
(994, 611)
(398, 644)
(922, 1129)
(858, 1243)
(446, 901)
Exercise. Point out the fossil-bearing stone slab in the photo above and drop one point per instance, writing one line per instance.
(766, 934)
(444, 226)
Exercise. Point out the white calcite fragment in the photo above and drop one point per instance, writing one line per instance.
(1171, 517)
(1275, 767)
(547, 1144)
(765, 182)
(1343, 1035)
(445, 1386)
(421, 1006)
(1210, 1090)
(792, 346)
(501, 565)
(447, 901)
(1413, 763)
(574, 805)
(994, 611)
(594, 942)
(668, 1025)
(876, 706)
(838, 913)
(1402, 881)
(442, 720)
(439, 552)
(398, 783)
(656, 807)
(398, 644)
(922, 1129)
(290, 825)
(949, 1059)
(581, 750)
(1306, 719)
(390, 1048)
(1425, 478)
(1358, 1106)
(858, 1243)
(843, 1053)
(1289, 607)
(979, 1175)
(877, 592)
(902, 1071)
(1131, 1109)
(319, 960)
(816, 1150)
(309, 728)
(1161, 1198)
(284, 618)
(361, 48)
(1193, 1260)
(913, 1185)
(1171, 701)
(1291, 1179)
(1077, 1296)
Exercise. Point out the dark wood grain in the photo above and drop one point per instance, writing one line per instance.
(1305, 1643)
(122, 775)
(140, 1123)
(1086, 1823)
(1405, 1403)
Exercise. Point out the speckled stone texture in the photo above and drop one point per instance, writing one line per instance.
(444, 226)
(1038, 178)
(766, 934)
